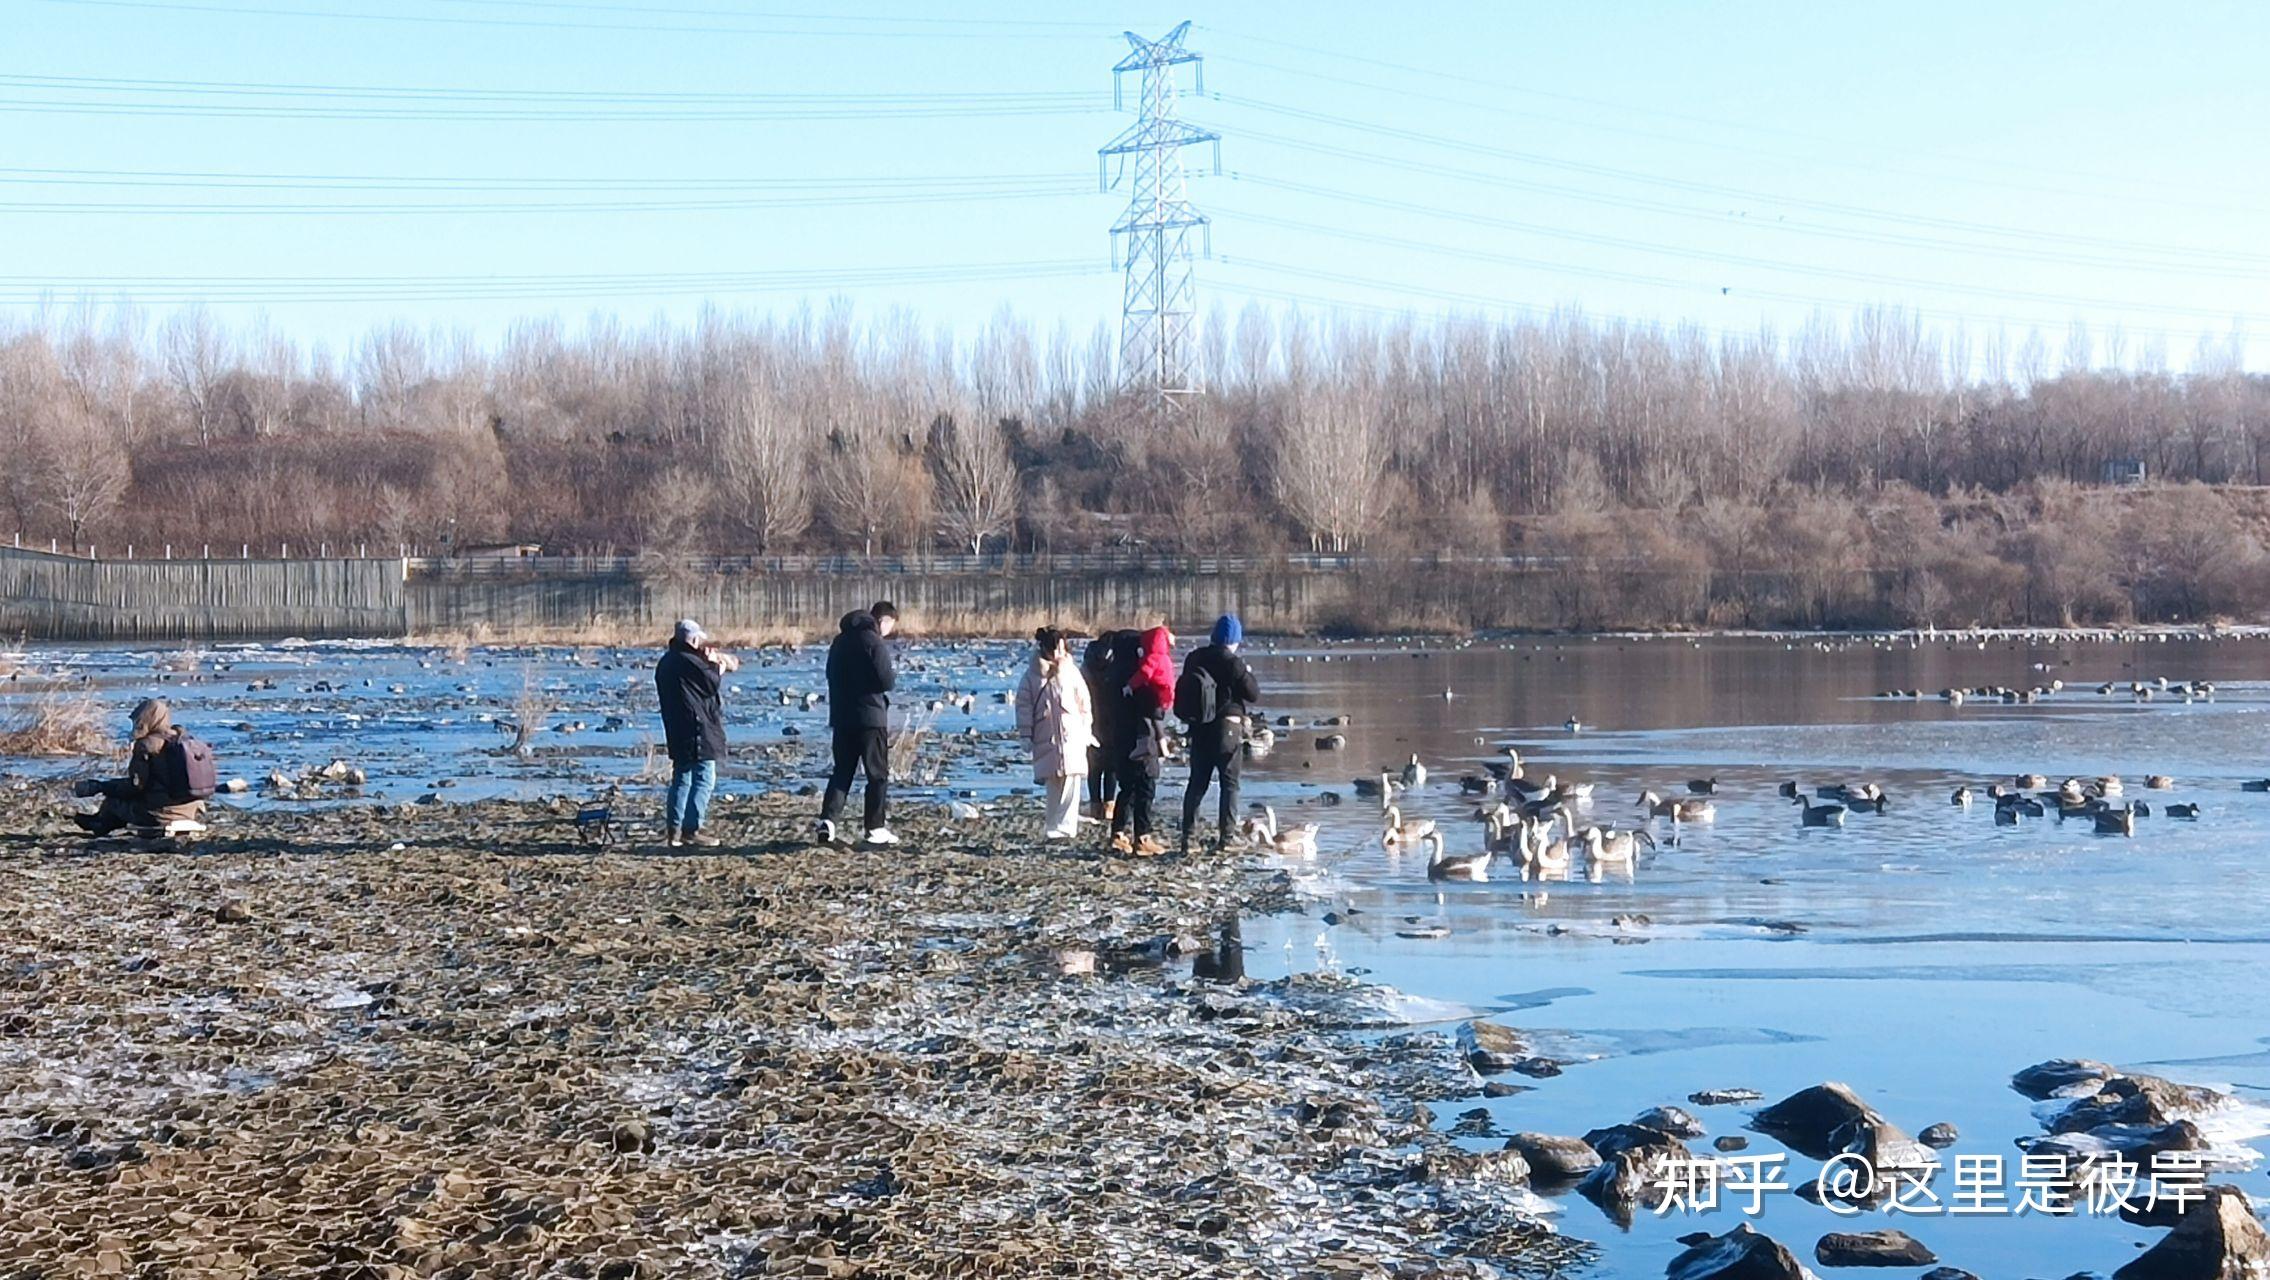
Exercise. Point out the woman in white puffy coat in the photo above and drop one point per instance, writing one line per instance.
(1057, 718)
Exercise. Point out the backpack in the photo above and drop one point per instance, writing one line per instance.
(185, 770)
(1197, 699)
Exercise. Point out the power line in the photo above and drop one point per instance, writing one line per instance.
(1436, 75)
(316, 289)
(531, 208)
(1159, 301)
(1708, 188)
(278, 11)
(1717, 258)
(2232, 263)
(225, 180)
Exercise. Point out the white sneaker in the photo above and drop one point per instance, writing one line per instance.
(825, 833)
(881, 835)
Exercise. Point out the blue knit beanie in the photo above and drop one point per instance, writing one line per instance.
(1228, 630)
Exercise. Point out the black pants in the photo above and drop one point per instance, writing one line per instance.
(1205, 764)
(1103, 783)
(857, 749)
(1138, 791)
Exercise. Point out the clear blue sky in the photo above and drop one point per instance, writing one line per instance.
(2016, 163)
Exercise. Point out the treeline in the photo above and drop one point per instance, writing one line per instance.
(1875, 467)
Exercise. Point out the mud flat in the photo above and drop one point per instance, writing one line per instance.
(449, 1041)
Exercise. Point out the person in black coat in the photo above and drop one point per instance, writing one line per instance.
(860, 680)
(1217, 746)
(688, 680)
(1096, 664)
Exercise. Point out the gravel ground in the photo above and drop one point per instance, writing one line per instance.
(449, 1041)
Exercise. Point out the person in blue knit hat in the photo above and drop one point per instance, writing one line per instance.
(1215, 697)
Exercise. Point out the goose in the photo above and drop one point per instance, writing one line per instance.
(2189, 811)
(2116, 822)
(2255, 784)
(2109, 785)
(1291, 842)
(1456, 866)
(1573, 792)
(1260, 740)
(1547, 855)
(1702, 786)
(1819, 815)
(1615, 846)
(1478, 784)
(1382, 788)
(2024, 805)
(1399, 834)
(1512, 764)
(1688, 810)
(1414, 773)
(2031, 782)
(1789, 789)
(1962, 797)
(2159, 782)
(1573, 725)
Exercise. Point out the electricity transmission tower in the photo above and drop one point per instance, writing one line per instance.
(1161, 303)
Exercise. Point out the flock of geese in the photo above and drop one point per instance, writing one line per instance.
(2189, 691)
(1533, 824)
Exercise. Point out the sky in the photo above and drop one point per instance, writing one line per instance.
(324, 166)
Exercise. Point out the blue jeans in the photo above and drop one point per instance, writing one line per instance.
(690, 788)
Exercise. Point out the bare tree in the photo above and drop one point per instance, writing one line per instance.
(764, 468)
(977, 483)
(83, 473)
(1331, 467)
(197, 358)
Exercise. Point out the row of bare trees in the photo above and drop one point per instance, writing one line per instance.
(823, 429)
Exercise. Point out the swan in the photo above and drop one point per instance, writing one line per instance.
(1404, 835)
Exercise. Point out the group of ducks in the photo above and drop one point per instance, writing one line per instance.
(2025, 797)
(2140, 690)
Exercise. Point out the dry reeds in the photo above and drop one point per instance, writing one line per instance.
(54, 722)
(912, 756)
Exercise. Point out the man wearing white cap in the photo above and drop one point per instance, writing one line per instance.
(693, 724)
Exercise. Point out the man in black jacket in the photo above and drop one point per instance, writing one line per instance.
(1218, 745)
(860, 679)
(693, 724)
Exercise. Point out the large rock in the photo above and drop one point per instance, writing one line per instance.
(1553, 1158)
(1740, 1254)
(1491, 1047)
(2217, 1239)
(2134, 1142)
(2137, 1100)
(1809, 1120)
(1872, 1249)
(1676, 1121)
(1637, 1166)
(2054, 1078)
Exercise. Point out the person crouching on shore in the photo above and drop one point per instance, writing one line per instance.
(689, 679)
(169, 777)
(1057, 719)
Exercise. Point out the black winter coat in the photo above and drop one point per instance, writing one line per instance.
(860, 676)
(693, 712)
(1235, 690)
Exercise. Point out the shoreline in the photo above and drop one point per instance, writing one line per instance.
(428, 1040)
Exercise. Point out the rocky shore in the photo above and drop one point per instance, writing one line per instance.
(451, 1041)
